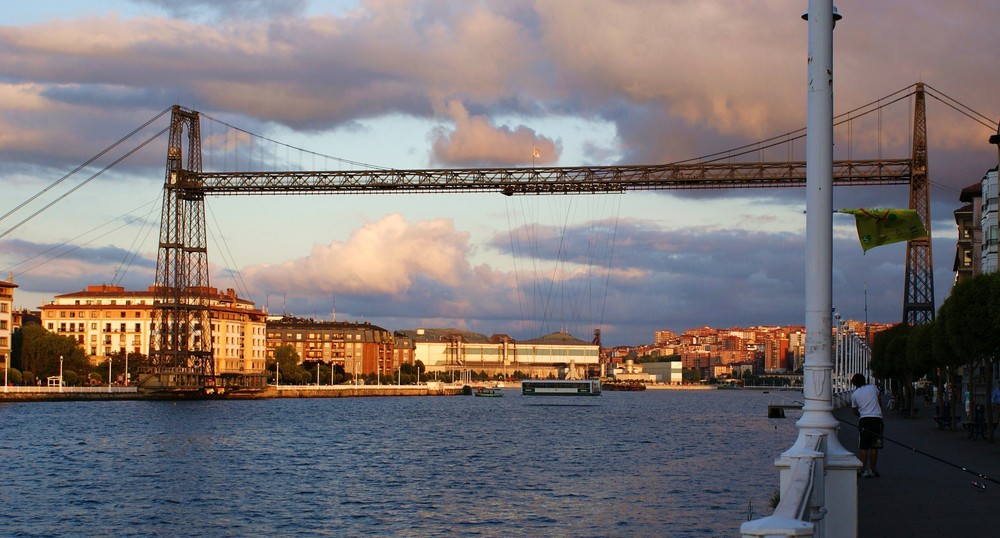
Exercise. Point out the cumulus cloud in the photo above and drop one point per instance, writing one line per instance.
(475, 141)
(386, 257)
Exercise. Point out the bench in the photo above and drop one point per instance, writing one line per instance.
(945, 418)
(946, 422)
(978, 428)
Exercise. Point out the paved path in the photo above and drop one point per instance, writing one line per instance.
(918, 495)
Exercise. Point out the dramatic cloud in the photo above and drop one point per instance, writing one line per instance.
(485, 83)
(474, 141)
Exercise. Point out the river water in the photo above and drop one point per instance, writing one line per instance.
(653, 463)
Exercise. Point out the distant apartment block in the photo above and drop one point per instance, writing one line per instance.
(106, 320)
(356, 348)
(6, 320)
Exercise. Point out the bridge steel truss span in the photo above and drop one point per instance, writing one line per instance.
(182, 333)
(553, 180)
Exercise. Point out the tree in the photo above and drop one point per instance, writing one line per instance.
(973, 329)
(288, 364)
(41, 349)
(889, 360)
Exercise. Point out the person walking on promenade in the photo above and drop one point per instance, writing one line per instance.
(868, 407)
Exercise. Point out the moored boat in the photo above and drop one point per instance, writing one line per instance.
(623, 385)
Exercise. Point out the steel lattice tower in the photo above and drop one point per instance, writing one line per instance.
(181, 343)
(918, 296)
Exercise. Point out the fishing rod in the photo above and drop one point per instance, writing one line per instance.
(933, 457)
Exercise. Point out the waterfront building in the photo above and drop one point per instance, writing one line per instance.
(670, 372)
(355, 348)
(6, 320)
(555, 355)
(106, 320)
(990, 251)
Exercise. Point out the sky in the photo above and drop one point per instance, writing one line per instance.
(438, 84)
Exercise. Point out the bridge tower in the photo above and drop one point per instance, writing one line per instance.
(181, 345)
(918, 295)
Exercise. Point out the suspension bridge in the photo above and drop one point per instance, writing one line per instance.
(181, 338)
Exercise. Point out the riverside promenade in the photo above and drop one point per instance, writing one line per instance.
(923, 490)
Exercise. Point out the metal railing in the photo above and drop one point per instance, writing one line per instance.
(64, 389)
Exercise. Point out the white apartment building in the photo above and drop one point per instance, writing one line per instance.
(110, 319)
(6, 320)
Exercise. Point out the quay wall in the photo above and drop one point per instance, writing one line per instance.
(46, 394)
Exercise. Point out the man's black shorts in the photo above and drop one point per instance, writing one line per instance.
(871, 433)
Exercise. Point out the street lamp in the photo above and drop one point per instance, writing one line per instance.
(109, 373)
(60, 373)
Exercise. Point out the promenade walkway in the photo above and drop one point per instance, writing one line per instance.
(922, 490)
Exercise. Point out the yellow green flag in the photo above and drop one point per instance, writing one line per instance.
(878, 226)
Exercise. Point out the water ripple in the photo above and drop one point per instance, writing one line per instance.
(657, 463)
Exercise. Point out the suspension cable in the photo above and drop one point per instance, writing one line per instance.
(84, 165)
(84, 182)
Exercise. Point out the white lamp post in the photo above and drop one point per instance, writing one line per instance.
(109, 373)
(838, 495)
(60, 373)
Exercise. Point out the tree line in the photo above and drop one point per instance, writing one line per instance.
(964, 334)
(36, 354)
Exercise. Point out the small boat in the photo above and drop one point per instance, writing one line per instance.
(483, 392)
(623, 385)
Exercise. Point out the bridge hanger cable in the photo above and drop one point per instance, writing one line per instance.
(303, 150)
(84, 165)
(133, 250)
(231, 266)
(84, 182)
(963, 109)
(787, 138)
